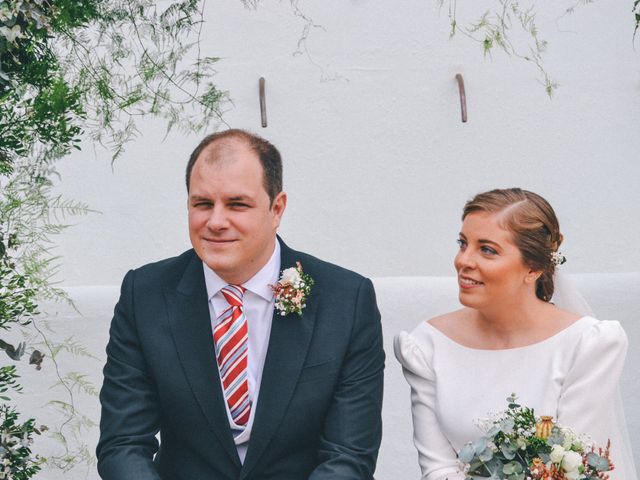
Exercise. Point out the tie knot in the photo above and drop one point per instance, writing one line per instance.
(233, 294)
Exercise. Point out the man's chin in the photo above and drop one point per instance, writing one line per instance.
(224, 270)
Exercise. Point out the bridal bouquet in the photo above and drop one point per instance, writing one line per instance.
(517, 445)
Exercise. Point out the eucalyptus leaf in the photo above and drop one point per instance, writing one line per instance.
(556, 437)
(507, 425)
(467, 453)
(486, 455)
(598, 462)
(480, 444)
(494, 467)
(508, 451)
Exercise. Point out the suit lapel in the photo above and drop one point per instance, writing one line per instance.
(288, 344)
(191, 328)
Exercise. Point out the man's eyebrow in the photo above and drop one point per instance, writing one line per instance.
(198, 197)
(234, 198)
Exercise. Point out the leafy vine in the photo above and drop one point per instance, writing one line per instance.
(498, 27)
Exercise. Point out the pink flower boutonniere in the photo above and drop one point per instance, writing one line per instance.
(292, 290)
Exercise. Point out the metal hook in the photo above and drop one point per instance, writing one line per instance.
(263, 103)
(463, 97)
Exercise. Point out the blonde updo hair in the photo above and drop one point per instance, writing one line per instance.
(534, 225)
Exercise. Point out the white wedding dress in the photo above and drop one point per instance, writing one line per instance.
(572, 376)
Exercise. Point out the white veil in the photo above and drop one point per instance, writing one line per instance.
(567, 296)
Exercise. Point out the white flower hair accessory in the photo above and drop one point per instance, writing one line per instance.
(557, 258)
(291, 290)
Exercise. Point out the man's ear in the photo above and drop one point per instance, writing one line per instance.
(278, 207)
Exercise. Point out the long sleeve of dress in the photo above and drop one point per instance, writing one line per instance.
(589, 402)
(437, 458)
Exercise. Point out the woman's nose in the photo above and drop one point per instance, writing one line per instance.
(464, 259)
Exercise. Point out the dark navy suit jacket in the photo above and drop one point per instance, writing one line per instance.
(318, 414)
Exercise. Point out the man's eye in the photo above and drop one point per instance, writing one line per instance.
(238, 205)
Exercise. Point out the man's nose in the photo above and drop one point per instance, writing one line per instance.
(218, 219)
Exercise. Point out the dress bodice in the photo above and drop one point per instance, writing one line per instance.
(571, 376)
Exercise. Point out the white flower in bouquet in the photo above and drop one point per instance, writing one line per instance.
(557, 454)
(571, 462)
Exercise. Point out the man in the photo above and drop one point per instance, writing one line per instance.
(198, 351)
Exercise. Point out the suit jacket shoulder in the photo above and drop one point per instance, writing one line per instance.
(328, 277)
(164, 272)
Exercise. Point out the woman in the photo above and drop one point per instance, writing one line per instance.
(509, 338)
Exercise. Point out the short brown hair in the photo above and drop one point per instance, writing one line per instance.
(534, 225)
(267, 153)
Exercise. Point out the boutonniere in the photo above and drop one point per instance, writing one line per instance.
(291, 290)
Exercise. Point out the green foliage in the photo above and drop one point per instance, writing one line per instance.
(510, 27)
(37, 104)
(8, 380)
(74, 65)
(636, 16)
(16, 460)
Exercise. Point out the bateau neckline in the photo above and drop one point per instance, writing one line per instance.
(513, 349)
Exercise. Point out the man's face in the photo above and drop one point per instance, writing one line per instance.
(232, 225)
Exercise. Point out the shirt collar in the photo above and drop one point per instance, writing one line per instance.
(258, 284)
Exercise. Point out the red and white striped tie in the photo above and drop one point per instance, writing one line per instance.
(230, 336)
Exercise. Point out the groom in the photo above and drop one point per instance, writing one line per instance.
(200, 352)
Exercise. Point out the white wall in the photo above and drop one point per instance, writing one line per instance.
(377, 162)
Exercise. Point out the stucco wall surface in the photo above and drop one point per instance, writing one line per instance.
(377, 161)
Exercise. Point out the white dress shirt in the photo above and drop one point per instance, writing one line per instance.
(258, 304)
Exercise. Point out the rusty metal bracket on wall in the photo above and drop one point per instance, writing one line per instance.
(263, 103)
(463, 97)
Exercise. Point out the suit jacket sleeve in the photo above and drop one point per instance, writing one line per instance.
(353, 426)
(130, 413)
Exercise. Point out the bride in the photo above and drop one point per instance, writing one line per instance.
(509, 337)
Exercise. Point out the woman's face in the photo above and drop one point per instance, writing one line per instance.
(490, 268)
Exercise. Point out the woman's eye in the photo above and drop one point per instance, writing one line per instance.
(461, 243)
(489, 251)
